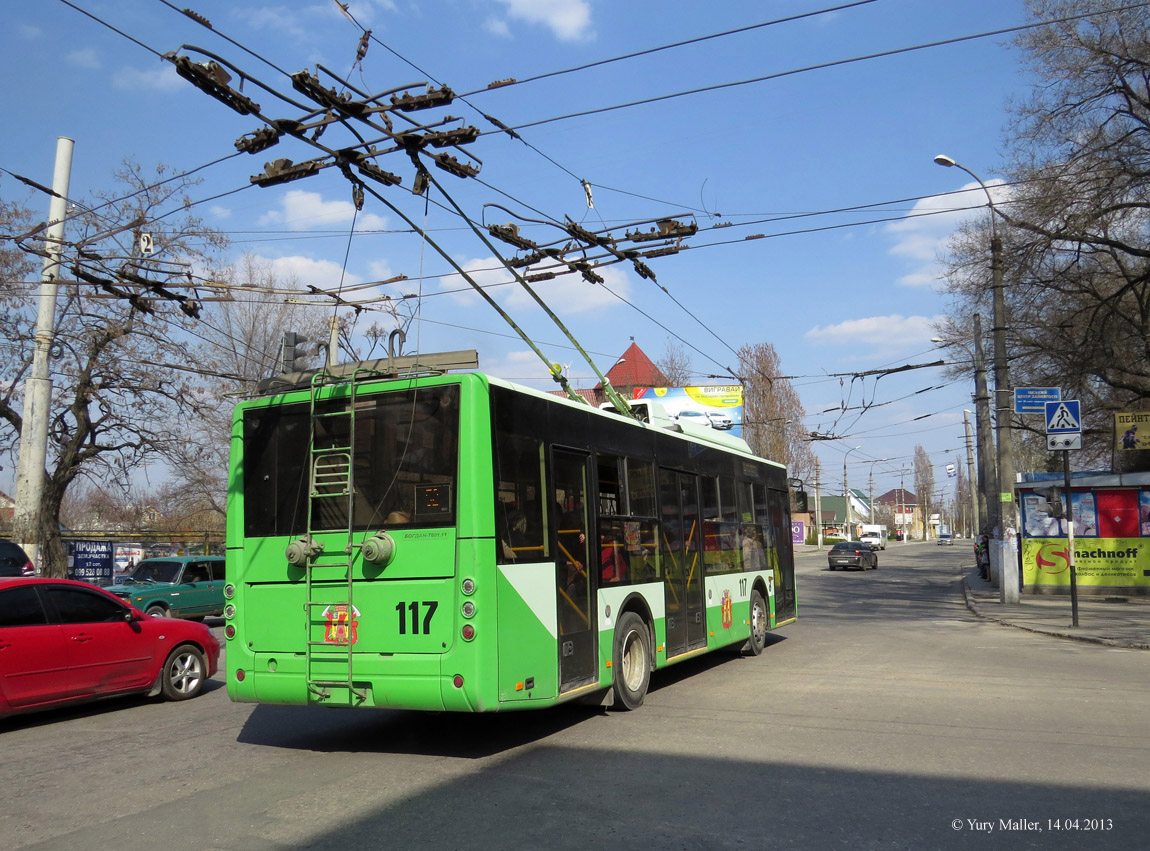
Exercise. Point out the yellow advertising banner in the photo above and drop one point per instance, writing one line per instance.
(1132, 430)
(1103, 562)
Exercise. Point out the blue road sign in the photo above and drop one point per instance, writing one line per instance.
(1032, 400)
(1064, 417)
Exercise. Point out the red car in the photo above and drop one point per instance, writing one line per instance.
(66, 642)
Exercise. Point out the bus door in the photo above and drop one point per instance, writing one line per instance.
(682, 551)
(576, 620)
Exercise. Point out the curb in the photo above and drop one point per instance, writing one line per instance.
(972, 606)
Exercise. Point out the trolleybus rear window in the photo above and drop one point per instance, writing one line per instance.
(401, 463)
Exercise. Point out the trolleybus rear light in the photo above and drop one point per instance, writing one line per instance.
(229, 611)
(240, 675)
(230, 631)
(229, 590)
(468, 586)
(468, 632)
(469, 609)
(457, 681)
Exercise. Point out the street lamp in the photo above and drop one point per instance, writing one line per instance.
(847, 492)
(1007, 513)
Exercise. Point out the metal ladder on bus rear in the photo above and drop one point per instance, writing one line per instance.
(331, 478)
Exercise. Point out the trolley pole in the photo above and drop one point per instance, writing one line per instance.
(26, 525)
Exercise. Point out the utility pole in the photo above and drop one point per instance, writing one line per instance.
(971, 482)
(818, 505)
(26, 522)
(987, 463)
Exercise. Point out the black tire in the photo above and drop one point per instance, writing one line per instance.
(875, 565)
(156, 611)
(760, 619)
(631, 660)
(830, 567)
(184, 674)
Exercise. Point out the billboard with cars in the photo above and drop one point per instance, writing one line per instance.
(716, 405)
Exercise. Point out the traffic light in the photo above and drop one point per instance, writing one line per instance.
(1051, 502)
(289, 350)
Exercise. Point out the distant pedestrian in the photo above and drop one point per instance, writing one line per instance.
(982, 551)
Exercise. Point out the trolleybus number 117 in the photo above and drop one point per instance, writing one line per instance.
(413, 607)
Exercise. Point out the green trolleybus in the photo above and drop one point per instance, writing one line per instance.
(458, 542)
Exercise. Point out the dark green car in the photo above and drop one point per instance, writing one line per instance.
(176, 587)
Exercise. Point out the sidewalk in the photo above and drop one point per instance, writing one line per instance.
(1116, 621)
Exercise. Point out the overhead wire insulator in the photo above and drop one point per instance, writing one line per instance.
(448, 138)
(260, 140)
(367, 168)
(662, 252)
(584, 235)
(644, 271)
(509, 233)
(429, 100)
(584, 268)
(526, 260)
(284, 171)
(539, 276)
(307, 84)
(509, 81)
(667, 229)
(453, 166)
(210, 77)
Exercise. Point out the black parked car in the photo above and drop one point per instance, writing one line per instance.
(846, 554)
(14, 561)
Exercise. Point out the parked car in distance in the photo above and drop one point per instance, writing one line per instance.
(846, 554)
(691, 415)
(873, 540)
(720, 420)
(65, 642)
(176, 587)
(945, 540)
(14, 561)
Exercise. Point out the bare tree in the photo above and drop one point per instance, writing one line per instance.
(924, 485)
(772, 412)
(1076, 224)
(120, 368)
(675, 364)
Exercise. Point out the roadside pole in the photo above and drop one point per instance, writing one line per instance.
(1070, 540)
(818, 506)
(38, 386)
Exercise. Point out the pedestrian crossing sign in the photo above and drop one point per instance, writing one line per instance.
(1063, 417)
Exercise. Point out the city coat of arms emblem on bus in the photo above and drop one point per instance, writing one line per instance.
(341, 626)
(728, 610)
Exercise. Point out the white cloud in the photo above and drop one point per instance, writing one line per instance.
(569, 20)
(878, 335)
(921, 237)
(84, 58)
(522, 366)
(29, 31)
(161, 79)
(566, 294)
(301, 210)
(220, 212)
(497, 27)
(304, 270)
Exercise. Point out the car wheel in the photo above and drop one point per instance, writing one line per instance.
(156, 611)
(184, 673)
(830, 567)
(875, 565)
(759, 620)
(632, 660)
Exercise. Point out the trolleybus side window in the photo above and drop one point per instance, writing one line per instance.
(521, 518)
(626, 546)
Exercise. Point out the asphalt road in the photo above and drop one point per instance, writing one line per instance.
(887, 717)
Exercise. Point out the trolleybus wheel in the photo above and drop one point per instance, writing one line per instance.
(184, 673)
(631, 660)
(759, 619)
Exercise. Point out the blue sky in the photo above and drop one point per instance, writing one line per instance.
(832, 299)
